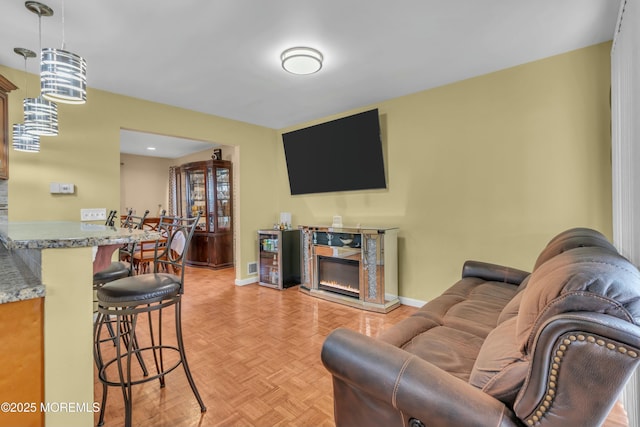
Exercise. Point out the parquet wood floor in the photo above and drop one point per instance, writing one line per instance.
(254, 353)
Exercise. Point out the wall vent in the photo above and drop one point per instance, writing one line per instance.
(252, 268)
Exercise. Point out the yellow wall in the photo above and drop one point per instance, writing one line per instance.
(489, 168)
(144, 183)
(87, 153)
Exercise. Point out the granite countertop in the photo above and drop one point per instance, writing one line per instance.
(67, 234)
(18, 281)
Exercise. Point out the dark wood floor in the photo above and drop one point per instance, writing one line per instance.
(255, 356)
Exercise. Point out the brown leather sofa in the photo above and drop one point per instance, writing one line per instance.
(502, 347)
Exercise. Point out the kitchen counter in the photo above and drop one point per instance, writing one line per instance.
(52, 264)
(67, 234)
(20, 277)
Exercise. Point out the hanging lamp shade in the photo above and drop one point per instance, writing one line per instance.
(23, 141)
(63, 76)
(40, 116)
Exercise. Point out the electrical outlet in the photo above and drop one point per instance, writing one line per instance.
(96, 214)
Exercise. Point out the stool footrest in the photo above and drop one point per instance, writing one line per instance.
(102, 373)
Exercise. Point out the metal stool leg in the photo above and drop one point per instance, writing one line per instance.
(125, 380)
(183, 355)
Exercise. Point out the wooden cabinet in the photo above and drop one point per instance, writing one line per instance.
(5, 87)
(206, 187)
(22, 362)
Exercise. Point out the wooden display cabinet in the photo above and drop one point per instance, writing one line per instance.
(206, 187)
(5, 87)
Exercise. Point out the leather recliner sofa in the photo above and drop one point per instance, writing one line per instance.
(502, 347)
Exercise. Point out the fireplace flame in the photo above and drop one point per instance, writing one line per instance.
(338, 285)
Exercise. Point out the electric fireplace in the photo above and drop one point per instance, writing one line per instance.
(352, 266)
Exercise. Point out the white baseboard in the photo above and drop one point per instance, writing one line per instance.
(411, 302)
(247, 281)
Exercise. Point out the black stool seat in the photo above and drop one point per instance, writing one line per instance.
(116, 270)
(141, 289)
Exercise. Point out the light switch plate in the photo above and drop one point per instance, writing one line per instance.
(67, 188)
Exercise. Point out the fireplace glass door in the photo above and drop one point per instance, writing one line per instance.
(339, 275)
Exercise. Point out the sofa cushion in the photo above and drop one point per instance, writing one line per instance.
(582, 279)
(511, 309)
(449, 330)
(451, 350)
(500, 368)
(471, 304)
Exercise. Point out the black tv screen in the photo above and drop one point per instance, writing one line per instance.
(340, 155)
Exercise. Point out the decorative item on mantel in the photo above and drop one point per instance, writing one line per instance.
(285, 222)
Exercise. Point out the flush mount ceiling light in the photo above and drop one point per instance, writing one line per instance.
(63, 74)
(301, 60)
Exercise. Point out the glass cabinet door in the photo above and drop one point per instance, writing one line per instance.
(223, 203)
(210, 214)
(195, 195)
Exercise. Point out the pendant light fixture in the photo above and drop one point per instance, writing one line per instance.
(63, 74)
(23, 141)
(40, 115)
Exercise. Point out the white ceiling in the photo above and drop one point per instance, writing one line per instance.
(222, 57)
(153, 145)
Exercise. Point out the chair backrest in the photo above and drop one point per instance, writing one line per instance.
(134, 221)
(171, 250)
(110, 221)
(573, 238)
(125, 253)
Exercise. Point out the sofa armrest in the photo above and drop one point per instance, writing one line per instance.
(581, 361)
(493, 272)
(415, 388)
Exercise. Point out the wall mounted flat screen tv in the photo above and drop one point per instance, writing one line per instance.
(340, 155)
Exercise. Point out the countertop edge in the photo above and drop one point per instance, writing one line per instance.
(68, 234)
(24, 294)
(17, 282)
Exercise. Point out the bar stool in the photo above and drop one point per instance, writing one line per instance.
(122, 300)
(124, 266)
